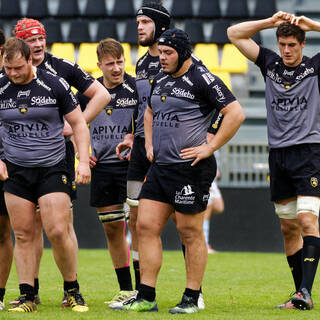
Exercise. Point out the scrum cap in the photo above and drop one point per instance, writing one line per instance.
(179, 41)
(27, 28)
(158, 14)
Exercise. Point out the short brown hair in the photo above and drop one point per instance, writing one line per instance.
(109, 46)
(13, 46)
(288, 29)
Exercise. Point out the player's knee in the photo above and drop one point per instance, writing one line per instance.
(58, 234)
(188, 234)
(114, 230)
(290, 229)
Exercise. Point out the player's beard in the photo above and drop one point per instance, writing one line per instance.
(146, 42)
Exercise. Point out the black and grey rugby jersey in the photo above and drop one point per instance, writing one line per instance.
(32, 119)
(182, 111)
(111, 125)
(68, 70)
(147, 68)
(292, 99)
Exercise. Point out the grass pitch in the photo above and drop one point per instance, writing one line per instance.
(236, 286)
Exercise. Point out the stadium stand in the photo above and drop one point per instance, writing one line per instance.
(219, 32)
(141, 51)
(106, 29)
(194, 29)
(37, 9)
(130, 35)
(181, 9)
(68, 9)
(232, 60)
(95, 9)
(53, 30)
(130, 68)
(10, 9)
(63, 50)
(209, 9)
(308, 8)
(87, 59)
(123, 9)
(264, 9)
(79, 31)
(208, 53)
(237, 9)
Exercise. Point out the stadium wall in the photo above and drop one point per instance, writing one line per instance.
(248, 223)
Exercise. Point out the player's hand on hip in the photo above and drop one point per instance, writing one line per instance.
(197, 153)
(92, 161)
(83, 173)
(149, 153)
(3, 171)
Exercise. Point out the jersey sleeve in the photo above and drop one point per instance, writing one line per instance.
(67, 100)
(265, 57)
(215, 122)
(214, 91)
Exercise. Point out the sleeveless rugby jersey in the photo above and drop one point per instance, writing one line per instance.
(32, 119)
(111, 125)
(292, 99)
(182, 111)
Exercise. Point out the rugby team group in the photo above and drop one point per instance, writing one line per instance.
(153, 140)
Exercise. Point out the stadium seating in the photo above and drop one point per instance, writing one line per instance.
(181, 9)
(10, 9)
(264, 9)
(79, 31)
(68, 9)
(130, 35)
(63, 50)
(87, 59)
(37, 9)
(209, 9)
(141, 51)
(53, 30)
(237, 9)
(233, 60)
(95, 9)
(193, 28)
(130, 68)
(219, 32)
(208, 53)
(123, 8)
(225, 77)
(106, 29)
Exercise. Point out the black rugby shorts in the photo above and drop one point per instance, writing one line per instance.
(295, 171)
(108, 184)
(185, 187)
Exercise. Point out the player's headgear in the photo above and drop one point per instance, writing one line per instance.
(158, 14)
(27, 28)
(179, 41)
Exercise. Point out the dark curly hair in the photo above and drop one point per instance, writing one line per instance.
(288, 29)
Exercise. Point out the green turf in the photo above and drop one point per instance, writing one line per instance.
(236, 286)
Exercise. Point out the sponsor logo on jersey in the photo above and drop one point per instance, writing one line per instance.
(42, 84)
(141, 75)
(187, 80)
(126, 86)
(165, 116)
(289, 104)
(124, 102)
(208, 78)
(170, 84)
(288, 73)
(161, 79)
(153, 65)
(7, 104)
(74, 100)
(182, 93)
(140, 62)
(163, 98)
(28, 130)
(42, 101)
(185, 195)
(115, 129)
(2, 89)
(221, 96)
(113, 95)
(50, 68)
(274, 76)
(215, 125)
(206, 197)
(23, 94)
(309, 259)
(64, 83)
(314, 182)
(305, 73)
